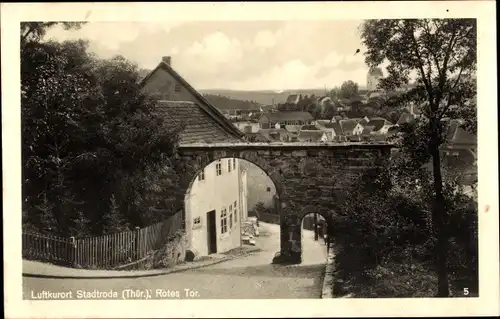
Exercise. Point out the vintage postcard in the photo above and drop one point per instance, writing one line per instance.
(250, 159)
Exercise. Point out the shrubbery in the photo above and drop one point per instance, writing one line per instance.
(382, 232)
(96, 156)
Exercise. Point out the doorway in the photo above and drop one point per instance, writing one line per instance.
(211, 233)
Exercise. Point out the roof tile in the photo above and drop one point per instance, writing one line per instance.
(197, 125)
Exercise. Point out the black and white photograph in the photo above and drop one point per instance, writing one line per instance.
(267, 158)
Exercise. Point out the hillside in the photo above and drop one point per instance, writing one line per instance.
(226, 103)
(262, 97)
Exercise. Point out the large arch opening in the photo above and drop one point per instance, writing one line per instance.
(231, 204)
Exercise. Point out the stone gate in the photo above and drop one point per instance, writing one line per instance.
(308, 177)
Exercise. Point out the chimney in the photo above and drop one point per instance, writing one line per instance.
(167, 59)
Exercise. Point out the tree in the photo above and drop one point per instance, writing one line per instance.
(88, 135)
(441, 55)
(315, 110)
(328, 110)
(348, 90)
(34, 31)
(334, 93)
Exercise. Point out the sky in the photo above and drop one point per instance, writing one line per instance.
(238, 55)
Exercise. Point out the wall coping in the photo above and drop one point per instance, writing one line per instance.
(281, 145)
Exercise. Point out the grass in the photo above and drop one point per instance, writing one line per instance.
(395, 280)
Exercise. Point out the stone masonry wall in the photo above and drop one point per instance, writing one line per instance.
(307, 179)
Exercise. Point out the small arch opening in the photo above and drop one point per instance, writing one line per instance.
(313, 239)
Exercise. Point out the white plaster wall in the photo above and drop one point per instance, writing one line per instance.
(243, 195)
(214, 193)
(257, 183)
(255, 127)
(358, 129)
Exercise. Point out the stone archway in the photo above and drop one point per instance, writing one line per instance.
(308, 178)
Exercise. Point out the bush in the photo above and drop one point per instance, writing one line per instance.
(377, 229)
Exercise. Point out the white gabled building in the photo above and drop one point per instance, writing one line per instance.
(215, 203)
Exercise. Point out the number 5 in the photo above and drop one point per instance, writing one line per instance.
(466, 291)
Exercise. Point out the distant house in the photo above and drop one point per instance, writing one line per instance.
(257, 137)
(278, 135)
(459, 157)
(358, 128)
(312, 136)
(334, 131)
(337, 118)
(260, 188)
(381, 125)
(459, 146)
(247, 126)
(269, 120)
(350, 126)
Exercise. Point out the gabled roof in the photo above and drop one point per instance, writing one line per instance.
(335, 127)
(309, 128)
(198, 126)
(378, 123)
(323, 122)
(367, 130)
(310, 135)
(348, 125)
(457, 135)
(204, 105)
(288, 116)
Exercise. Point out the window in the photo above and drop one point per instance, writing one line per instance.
(177, 87)
(234, 163)
(235, 212)
(201, 176)
(197, 221)
(230, 216)
(229, 165)
(218, 168)
(223, 221)
(268, 189)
